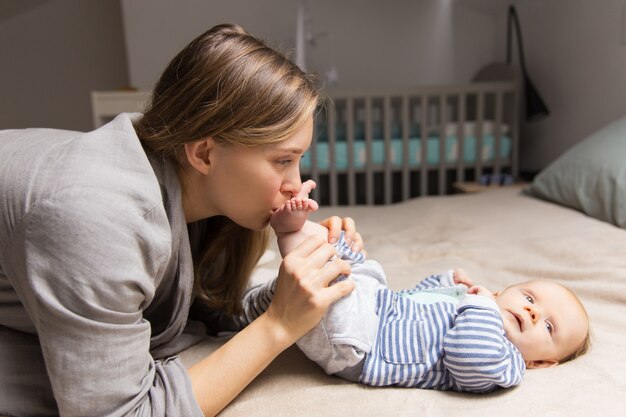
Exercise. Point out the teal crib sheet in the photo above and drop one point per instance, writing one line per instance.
(415, 152)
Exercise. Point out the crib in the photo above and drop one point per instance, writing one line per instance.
(369, 146)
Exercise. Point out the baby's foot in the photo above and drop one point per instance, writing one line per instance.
(294, 213)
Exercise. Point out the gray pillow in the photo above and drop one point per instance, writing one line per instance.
(591, 176)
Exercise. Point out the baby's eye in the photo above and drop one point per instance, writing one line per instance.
(549, 327)
(530, 299)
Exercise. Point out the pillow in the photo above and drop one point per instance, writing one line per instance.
(591, 176)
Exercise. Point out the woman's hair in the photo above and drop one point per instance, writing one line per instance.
(228, 85)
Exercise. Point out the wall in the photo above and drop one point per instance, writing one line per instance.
(52, 54)
(577, 59)
(370, 42)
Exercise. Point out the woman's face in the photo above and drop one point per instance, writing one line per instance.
(248, 184)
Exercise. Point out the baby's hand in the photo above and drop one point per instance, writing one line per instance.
(461, 277)
(482, 291)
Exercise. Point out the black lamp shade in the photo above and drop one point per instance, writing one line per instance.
(535, 107)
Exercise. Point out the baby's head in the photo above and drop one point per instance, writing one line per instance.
(545, 321)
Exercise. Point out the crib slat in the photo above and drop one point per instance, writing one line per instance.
(388, 155)
(313, 169)
(497, 134)
(350, 153)
(369, 174)
(424, 145)
(441, 171)
(515, 133)
(332, 167)
(460, 139)
(406, 186)
(480, 115)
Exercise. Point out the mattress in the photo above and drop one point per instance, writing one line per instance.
(500, 237)
(452, 152)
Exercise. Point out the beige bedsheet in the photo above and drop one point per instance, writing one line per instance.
(499, 237)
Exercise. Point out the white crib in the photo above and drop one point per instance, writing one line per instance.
(368, 147)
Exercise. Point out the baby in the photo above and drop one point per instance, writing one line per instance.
(446, 333)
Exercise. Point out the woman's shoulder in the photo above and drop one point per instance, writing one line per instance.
(106, 168)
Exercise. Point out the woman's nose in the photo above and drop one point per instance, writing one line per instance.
(532, 313)
(291, 186)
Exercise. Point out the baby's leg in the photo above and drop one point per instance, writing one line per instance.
(347, 332)
(290, 221)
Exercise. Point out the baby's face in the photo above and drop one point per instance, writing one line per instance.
(543, 320)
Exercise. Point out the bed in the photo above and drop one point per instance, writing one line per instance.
(569, 225)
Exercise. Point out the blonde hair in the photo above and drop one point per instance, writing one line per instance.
(228, 85)
(585, 345)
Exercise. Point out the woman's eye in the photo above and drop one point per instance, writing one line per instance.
(284, 161)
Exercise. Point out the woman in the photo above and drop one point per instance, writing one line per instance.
(106, 237)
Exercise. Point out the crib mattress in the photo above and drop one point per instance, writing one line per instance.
(378, 147)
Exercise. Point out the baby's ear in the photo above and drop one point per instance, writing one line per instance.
(548, 363)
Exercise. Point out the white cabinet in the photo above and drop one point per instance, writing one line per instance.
(106, 105)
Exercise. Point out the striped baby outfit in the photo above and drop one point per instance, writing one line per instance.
(443, 345)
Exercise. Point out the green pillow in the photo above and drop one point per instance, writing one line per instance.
(590, 177)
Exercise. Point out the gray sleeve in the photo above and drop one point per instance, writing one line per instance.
(84, 272)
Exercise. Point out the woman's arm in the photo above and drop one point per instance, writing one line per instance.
(302, 296)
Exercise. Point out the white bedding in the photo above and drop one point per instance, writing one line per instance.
(499, 237)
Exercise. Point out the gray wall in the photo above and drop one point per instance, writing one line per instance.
(370, 42)
(576, 56)
(574, 49)
(52, 54)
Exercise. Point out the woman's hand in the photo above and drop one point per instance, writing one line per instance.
(302, 293)
(336, 224)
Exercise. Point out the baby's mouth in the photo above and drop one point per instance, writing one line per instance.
(519, 320)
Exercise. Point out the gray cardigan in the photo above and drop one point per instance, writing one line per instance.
(96, 276)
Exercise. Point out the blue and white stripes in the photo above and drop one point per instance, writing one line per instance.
(477, 354)
(345, 252)
(255, 301)
(437, 347)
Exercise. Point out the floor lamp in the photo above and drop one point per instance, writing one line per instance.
(535, 106)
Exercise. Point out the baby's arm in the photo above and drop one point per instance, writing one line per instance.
(477, 354)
